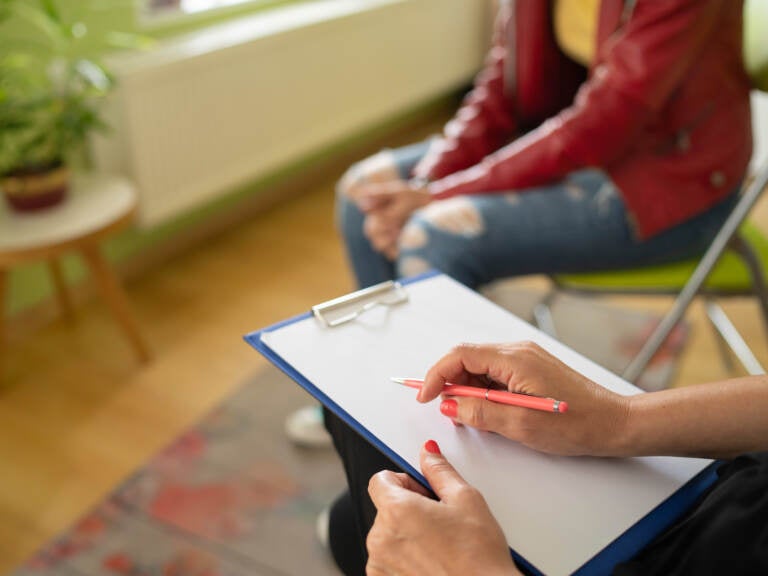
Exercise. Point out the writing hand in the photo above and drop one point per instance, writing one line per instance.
(593, 424)
(415, 535)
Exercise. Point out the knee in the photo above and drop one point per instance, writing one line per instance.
(346, 184)
(349, 218)
(422, 247)
(414, 249)
(380, 167)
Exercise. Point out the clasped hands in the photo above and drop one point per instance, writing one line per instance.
(387, 207)
(456, 534)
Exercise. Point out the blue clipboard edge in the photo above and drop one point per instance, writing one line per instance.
(634, 539)
(254, 339)
(640, 534)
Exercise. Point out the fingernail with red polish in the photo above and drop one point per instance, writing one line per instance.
(432, 447)
(449, 408)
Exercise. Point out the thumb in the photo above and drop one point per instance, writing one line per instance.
(442, 477)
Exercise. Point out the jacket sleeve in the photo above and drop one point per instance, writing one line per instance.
(483, 123)
(639, 70)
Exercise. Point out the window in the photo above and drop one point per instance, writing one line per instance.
(159, 7)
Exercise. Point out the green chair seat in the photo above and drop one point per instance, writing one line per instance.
(729, 276)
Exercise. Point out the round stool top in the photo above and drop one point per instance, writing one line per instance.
(94, 203)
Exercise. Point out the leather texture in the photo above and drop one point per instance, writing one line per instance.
(664, 109)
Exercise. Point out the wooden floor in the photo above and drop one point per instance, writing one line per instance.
(77, 414)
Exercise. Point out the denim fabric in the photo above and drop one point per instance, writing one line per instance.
(579, 224)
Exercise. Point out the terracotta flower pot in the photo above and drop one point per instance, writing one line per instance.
(35, 188)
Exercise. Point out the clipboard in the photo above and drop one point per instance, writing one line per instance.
(596, 513)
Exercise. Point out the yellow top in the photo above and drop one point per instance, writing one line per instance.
(576, 28)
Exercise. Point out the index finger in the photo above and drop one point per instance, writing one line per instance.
(465, 364)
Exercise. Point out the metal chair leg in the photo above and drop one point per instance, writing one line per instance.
(723, 347)
(752, 261)
(728, 332)
(3, 292)
(542, 313)
(705, 266)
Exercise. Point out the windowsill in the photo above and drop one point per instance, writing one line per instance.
(170, 18)
(239, 31)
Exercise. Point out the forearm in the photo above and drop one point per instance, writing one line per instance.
(482, 124)
(485, 120)
(627, 94)
(716, 420)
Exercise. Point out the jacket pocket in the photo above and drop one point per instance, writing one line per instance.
(678, 140)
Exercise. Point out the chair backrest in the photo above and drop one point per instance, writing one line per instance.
(755, 44)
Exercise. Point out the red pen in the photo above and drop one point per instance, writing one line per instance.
(500, 396)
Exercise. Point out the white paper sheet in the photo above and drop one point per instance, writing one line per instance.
(557, 512)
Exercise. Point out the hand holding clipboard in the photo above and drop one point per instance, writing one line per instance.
(346, 351)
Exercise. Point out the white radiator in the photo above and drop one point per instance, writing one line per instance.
(200, 115)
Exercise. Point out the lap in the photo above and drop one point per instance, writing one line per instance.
(579, 224)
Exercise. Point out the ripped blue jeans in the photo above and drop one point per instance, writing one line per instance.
(577, 225)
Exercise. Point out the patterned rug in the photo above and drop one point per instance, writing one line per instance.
(231, 497)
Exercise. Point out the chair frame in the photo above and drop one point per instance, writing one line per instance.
(727, 237)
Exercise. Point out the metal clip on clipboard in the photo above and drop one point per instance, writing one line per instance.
(346, 308)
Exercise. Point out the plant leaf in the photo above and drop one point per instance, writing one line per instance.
(50, 8)
(94, 75)
(129, 41)
(42, 21)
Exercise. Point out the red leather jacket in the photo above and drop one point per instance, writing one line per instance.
(664, 110)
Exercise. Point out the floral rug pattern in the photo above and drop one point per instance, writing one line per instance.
(231, 497)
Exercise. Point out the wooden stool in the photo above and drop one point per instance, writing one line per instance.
(98, 205)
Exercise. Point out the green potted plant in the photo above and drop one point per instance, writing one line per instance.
(50, 96)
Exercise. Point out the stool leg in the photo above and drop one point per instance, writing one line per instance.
(3, 277)
(62, 294)
(115, 298)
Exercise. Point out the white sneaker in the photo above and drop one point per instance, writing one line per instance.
(305, 428)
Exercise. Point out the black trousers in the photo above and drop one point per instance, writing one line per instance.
(353, 512)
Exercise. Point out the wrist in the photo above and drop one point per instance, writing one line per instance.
(625, 437)
(499, 567)
(509, 570)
